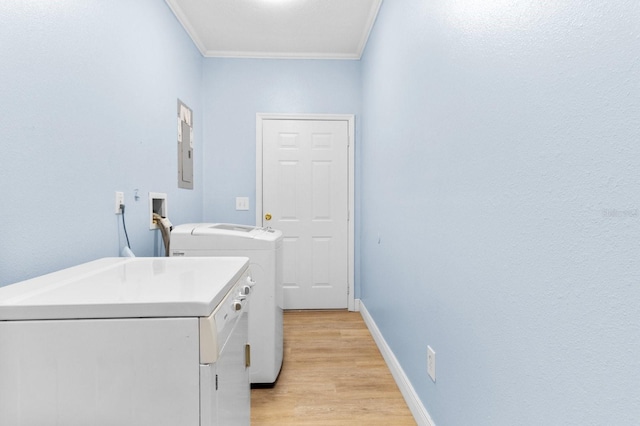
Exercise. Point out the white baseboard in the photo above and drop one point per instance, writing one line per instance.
(418, 410)
(356, 305)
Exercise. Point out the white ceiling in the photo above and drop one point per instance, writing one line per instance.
(318, 29)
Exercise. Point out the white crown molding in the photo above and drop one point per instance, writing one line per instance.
(200, 45)
(279, 55)
(184, 21)
(370, 23)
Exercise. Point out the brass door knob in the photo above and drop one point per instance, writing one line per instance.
(267, 216)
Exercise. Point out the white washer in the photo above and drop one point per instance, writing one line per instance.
(136, 341)
(263, 247)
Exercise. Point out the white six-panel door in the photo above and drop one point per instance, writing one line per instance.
(305, 194)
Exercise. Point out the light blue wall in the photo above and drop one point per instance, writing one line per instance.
(497, 171)
(501, 169)
(235, 90)
(88, 95)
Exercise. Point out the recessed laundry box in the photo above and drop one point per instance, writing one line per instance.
(263, 247)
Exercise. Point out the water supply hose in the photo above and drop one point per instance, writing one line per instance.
(165, 229)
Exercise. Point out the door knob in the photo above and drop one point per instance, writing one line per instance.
(267, 216)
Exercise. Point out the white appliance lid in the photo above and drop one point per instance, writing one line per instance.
(227, 230)
(125, 288)
(232, 227)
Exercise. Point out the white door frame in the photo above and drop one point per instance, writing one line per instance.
(350, 118)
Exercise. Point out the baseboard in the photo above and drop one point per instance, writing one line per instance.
(356, 305)
(418, 410)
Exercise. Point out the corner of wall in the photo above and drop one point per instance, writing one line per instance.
(414, 403)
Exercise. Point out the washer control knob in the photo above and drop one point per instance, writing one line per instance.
(251, 281)
(245, 290)
(236, 305)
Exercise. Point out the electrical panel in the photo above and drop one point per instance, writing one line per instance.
(185, 146)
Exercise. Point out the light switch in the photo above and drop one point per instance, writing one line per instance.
(242, 203)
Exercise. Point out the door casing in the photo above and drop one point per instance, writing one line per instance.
(350, 118)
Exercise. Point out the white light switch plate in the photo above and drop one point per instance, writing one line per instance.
(242, 203)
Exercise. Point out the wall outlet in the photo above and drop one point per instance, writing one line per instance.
(119, 200)
(431, 363)
(242, 203)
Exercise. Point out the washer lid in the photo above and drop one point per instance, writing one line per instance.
(226, 229)
(125, 288)
(223, 235)
(232, 227)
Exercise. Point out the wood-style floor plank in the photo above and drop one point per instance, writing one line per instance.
(333, 374)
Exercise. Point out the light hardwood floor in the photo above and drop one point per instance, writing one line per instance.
(333, 374)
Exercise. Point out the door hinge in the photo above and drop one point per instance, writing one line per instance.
(216, 382)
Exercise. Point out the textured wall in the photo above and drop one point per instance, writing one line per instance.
(500, 206)
(497, 169)
(235, 90)
(88, 108)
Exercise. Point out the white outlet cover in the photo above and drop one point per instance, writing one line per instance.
(431, 363)
(119, 200)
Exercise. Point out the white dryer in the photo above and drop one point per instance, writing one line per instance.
(128, 342)
(263, 247)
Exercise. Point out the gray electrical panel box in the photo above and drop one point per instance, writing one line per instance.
(185, 146)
